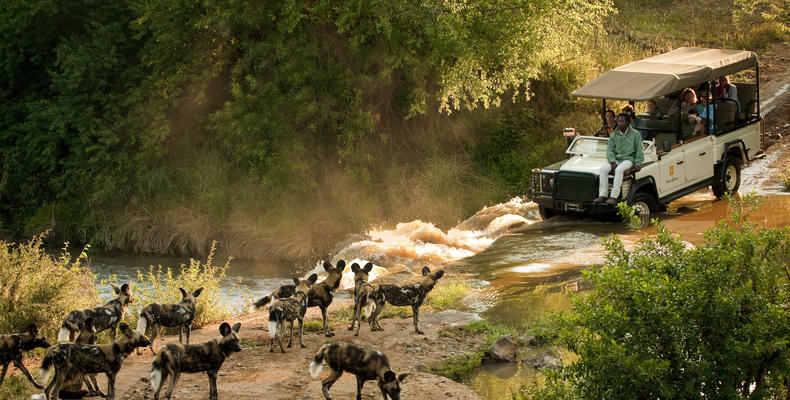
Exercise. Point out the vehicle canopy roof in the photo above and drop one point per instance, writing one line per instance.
(667, 73)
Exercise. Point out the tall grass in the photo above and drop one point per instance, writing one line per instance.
(160, 285)
(38, 288)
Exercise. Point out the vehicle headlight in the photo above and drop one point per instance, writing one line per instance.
(546, 182)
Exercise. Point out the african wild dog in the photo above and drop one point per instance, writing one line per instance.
(408, 295)
(105, 317)
(366, 364)
(321, 294)
(287, 310)
(157, 315)
(12, 346)
(362, 299)
(173, 359)
(90, 359)
(72, 385)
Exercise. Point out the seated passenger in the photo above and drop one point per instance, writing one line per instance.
(623, 152)
(693, 125)
(652, 110)
(608, 125)
(705, 109)
(727, 90)
(688, 100)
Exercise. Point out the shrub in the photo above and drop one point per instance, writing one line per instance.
(37, 288)
(786, 178)
(668, 321)
(160, 285)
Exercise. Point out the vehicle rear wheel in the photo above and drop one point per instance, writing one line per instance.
(546, 213)
(728, 180)
(644, 205)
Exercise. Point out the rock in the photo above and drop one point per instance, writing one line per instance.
(530, 339)
(547, 359)
(503, 349)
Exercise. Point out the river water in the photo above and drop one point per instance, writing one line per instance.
(523, 266)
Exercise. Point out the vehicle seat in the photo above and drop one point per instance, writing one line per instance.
(747, 96)
(726, 113)
(665, 137)
(664, 104)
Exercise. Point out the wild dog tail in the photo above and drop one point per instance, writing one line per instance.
(156, 369)
(275, 319)
(47, 366)
(142, 323)
(63, 335)
(260, 303)
(318, 361)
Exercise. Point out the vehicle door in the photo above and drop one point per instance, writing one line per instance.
(672, 171)
(698, 154)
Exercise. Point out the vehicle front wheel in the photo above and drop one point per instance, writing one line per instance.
(727, 180)
(644, 205)
(546, 213)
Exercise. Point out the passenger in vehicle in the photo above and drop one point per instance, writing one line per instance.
(727, 90)
(623, 152)
(693, 125)
(705, 109)
(608, 126)
(687, 101)
(652, 110)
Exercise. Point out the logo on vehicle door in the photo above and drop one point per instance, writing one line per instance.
(672, 170)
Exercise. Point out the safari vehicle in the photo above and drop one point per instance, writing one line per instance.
(675, 164)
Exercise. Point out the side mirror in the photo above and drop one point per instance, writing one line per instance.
(569, 134)
(667, 146)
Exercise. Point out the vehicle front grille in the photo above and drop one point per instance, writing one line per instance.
(576, 186)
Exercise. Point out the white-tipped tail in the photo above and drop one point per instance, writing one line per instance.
(63, 335)
(369, 308)
(142, 325)
(156, 378)
(43, 373)
(315, 367)
(252, 308)
(272, 329)
(39, 396)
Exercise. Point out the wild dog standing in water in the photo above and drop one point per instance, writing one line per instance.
(157, 316)
(12, 346)
(366, 364)
(90, 359)
(287, 310)
(407, 295)
(107, 316)
(362, 298)
(321, 294)
(173, 359)
(72, 385)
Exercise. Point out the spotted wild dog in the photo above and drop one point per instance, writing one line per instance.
(12, 346)
(89, 359)
(72, 385)
(173, 359)
(157, 316)
(287, 310)
(408, 295)
(367, 364)
(321, 294)
(105, 317)
(362, 298)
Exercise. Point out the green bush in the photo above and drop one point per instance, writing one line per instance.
(672, 322)
(160, 285)
(37, 288)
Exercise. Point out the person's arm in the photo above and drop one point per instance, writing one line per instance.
(639, 157)
(610, 151)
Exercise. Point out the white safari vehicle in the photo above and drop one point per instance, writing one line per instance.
(676, 163)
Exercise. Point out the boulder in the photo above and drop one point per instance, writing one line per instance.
(503, 349)
(547, 359)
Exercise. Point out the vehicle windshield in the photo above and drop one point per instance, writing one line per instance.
(596, 146)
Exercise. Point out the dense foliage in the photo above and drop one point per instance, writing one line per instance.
(36, 288)
(673, 322)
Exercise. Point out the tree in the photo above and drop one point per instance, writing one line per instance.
(671, 322)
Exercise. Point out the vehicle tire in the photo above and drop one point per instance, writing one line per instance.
(546, 213)
(728, 180)
(644, 205)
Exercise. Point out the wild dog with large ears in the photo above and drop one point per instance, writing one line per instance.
(12, 346)
(408, 295)
(157, 316)
(105, 317)
(173, 359)
(321, 294)
(287, 310)
(367, 364)
(362, 296)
